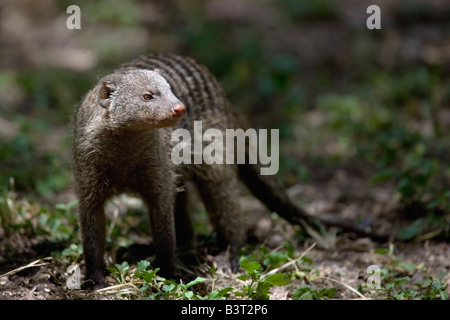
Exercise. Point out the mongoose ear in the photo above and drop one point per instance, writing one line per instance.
(105, 93)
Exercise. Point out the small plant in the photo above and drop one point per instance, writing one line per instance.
(221, 294)
(119, 271)
(308, 293)
(419, 180)
(433, 288)
(58, 224)
(396, 281)
(70, 254)
(32, 169)
(270, 258)
(427, 289)
(417, 168)
(259, 285)
(142, 282)
(19, 215)
(150, 285)
(147, 284)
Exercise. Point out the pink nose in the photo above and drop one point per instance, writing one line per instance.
(179, 110)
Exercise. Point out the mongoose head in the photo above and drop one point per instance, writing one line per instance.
(139, 100)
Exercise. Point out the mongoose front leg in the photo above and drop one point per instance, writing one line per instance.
(186, 246)
(158, 194)
(183, 225)
(163, 231)
(93, 233)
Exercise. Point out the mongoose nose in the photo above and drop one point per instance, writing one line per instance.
(179, 110)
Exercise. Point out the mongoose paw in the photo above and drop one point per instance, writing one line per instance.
(95, 281)
(166, 270)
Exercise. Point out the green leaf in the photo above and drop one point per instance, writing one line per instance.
(159, 278)
(306, 296)
(250, 266)
(215, 295)
(143, 265)
(168, 287)
(123, 267)
(194, 282)
(112, 270)
(222, 294)
(148, 277)
(243, 277)
(412, 230)
(328, 292)
(297, 293)
(278, 279)
(307, 260)
(262, 291)
(384, 175)
(307, 293)
(381, 251)
(441, 275)
(410, 267)
(226, 290)
(213, 270)
(402, 280)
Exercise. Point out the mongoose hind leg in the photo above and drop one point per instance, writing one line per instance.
(219, 191)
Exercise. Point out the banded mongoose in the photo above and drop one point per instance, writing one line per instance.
(122, 143)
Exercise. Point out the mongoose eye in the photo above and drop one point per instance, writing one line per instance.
(147, 96)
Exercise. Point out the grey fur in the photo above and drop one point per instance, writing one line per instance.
(122, 144)
(119, 147)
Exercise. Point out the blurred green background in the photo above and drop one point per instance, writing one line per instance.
(376, 102)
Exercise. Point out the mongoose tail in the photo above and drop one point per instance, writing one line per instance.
(270, 192)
